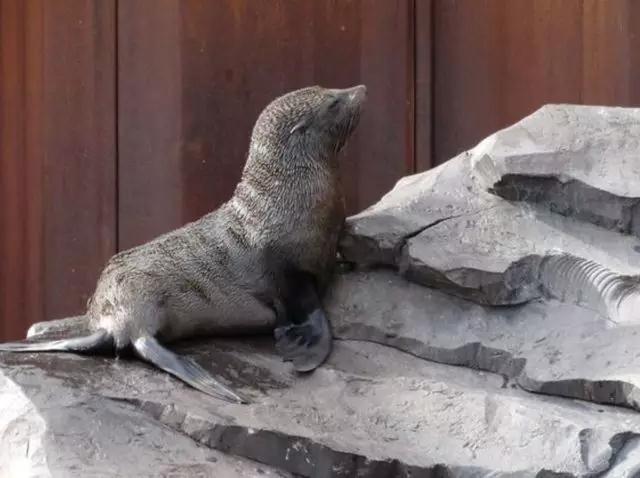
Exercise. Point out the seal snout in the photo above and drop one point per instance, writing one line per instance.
(356, 94)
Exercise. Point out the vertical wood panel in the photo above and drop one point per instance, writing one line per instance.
(499, 60)
(423, 84)
(57, 164)
(150, 143)
(19, 197)
(193, 76)
(611, 52)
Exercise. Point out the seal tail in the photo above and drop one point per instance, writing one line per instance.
(99, 340)
(185, 369)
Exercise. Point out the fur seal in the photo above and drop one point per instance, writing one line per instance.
(260, 261)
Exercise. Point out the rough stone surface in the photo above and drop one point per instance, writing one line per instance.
(543, 346)
(371, 411)
(578, 161)
(450, 228)
(488, 327)
(57, 420)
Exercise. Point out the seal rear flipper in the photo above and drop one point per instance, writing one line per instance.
(307, 344)
(184, 369)
(98, 341)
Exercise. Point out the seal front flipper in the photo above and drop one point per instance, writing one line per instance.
(308, 344)
(96, 342)
(184, 369)
(304, 337)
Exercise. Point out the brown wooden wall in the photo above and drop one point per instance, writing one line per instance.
(495, 61)
(122, 119)
(193, 75)
(57, 156)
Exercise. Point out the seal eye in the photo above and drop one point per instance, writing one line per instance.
(334, 103)
(300, 125)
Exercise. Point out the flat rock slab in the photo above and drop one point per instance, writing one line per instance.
(56, 421)
(469, 255)
(576, 160)
(371, 412)
(543, 346)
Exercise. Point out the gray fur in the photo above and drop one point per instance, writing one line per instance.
(211, 276)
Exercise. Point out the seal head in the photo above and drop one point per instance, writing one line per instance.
(310, 123)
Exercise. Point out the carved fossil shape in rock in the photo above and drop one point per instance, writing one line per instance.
(569, 278)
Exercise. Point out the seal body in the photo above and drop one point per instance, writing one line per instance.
(260, 260)
(217, 275)
(195, 281)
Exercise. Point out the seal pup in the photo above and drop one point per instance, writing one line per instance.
(260, 261)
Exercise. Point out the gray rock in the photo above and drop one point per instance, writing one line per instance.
(57, 420)
(447, 228)
(376, 236)
(489, 329)
(627, 462)
(580, 161)
(470, 255)
(372, 411)
(549, 347)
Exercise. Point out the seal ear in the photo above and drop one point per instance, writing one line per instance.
(301, 125)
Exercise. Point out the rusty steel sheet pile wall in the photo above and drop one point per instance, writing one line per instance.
(124, 119)
(57, 156)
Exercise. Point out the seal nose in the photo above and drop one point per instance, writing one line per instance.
(356, 93)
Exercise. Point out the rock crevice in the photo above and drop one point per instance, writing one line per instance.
(572, 198)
